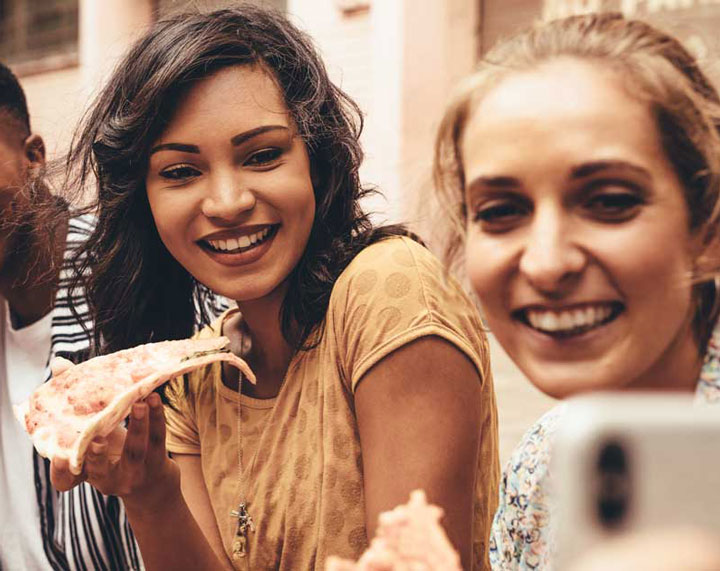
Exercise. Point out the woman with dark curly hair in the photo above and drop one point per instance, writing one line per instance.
(226, 157)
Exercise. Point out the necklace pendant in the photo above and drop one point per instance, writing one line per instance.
(245, 525)
(240, 547)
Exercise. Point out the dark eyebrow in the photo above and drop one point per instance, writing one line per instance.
(242, 137)
(235, 141)
(182, 147)
(589, 169)
(495, 182)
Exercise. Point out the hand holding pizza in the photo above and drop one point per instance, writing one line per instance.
(142, 472)
(76, 418)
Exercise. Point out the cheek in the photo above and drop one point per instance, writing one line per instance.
(486, 265)
(647, 263)
(301, 203)
(169, 219)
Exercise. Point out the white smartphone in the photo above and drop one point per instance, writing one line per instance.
(626, 463)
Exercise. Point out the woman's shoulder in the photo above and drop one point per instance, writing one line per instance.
(395, 250)
(390, 265)
(520, 536)
(394, 292)
(526, 478)
(708, 387)
(530, 459)
(400, 279)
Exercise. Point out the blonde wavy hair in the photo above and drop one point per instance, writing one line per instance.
(659, 71)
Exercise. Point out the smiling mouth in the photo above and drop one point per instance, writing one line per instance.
(562, 323)
(240, 244)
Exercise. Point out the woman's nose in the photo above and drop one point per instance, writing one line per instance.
(228, 198)
(551, 259)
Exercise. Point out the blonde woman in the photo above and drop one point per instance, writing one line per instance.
(580, 166)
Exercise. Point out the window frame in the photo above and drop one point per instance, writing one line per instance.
(20, 58)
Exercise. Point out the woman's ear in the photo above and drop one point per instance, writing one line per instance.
(34, 148)
(707, 260)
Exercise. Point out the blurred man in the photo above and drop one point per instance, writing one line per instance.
(39, 528)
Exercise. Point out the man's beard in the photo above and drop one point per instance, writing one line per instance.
(29, 223)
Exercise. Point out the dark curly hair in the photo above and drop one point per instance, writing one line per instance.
(137, 291)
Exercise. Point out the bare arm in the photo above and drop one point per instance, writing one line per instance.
(419, 415)
(148, 482)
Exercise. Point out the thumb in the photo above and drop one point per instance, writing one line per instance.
(61, 477)
(59, 365)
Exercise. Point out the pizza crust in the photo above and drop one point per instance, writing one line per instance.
(47, 437)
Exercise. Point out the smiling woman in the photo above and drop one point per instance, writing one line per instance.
(581, 169)
(232, 148)
(226, 157)
(564, 251)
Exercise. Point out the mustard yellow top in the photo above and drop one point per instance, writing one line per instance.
(302, 478)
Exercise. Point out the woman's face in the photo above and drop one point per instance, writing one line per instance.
(229, 185)
(577, 234)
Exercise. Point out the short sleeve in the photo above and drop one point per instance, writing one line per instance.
(182, 435)
(394, 292)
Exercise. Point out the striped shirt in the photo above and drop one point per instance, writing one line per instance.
(81, 528)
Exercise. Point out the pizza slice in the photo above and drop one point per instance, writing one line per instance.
(408, 538)
(93, 398)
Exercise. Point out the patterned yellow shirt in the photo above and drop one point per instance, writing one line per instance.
(302, 459)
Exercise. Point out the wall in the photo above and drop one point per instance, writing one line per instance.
(399, 59)
(57, 99)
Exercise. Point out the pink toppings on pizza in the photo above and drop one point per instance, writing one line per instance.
(93, 398)
(408, 538)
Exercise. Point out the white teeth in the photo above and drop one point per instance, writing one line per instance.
(548, 321)
(590, 314)
(241, 242)
(567, 320)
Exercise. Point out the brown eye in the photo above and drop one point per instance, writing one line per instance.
(614, 206)
(180, 172)
(266, 157)
(500, 216)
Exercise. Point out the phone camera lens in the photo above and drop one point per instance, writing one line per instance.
(614, 485)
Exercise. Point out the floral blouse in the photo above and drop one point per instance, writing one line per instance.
(521, 538)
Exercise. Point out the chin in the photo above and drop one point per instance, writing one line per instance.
(248, 294)
(570, 383)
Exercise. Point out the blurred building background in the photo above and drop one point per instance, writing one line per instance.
(398, 58)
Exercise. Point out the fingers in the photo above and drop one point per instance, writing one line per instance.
(143, 451)
(136, 440)
(58, 365)
(116, 442)
(61, 477)
(97, 463)
(156, 452)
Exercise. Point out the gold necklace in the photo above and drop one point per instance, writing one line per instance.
(245, 524)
